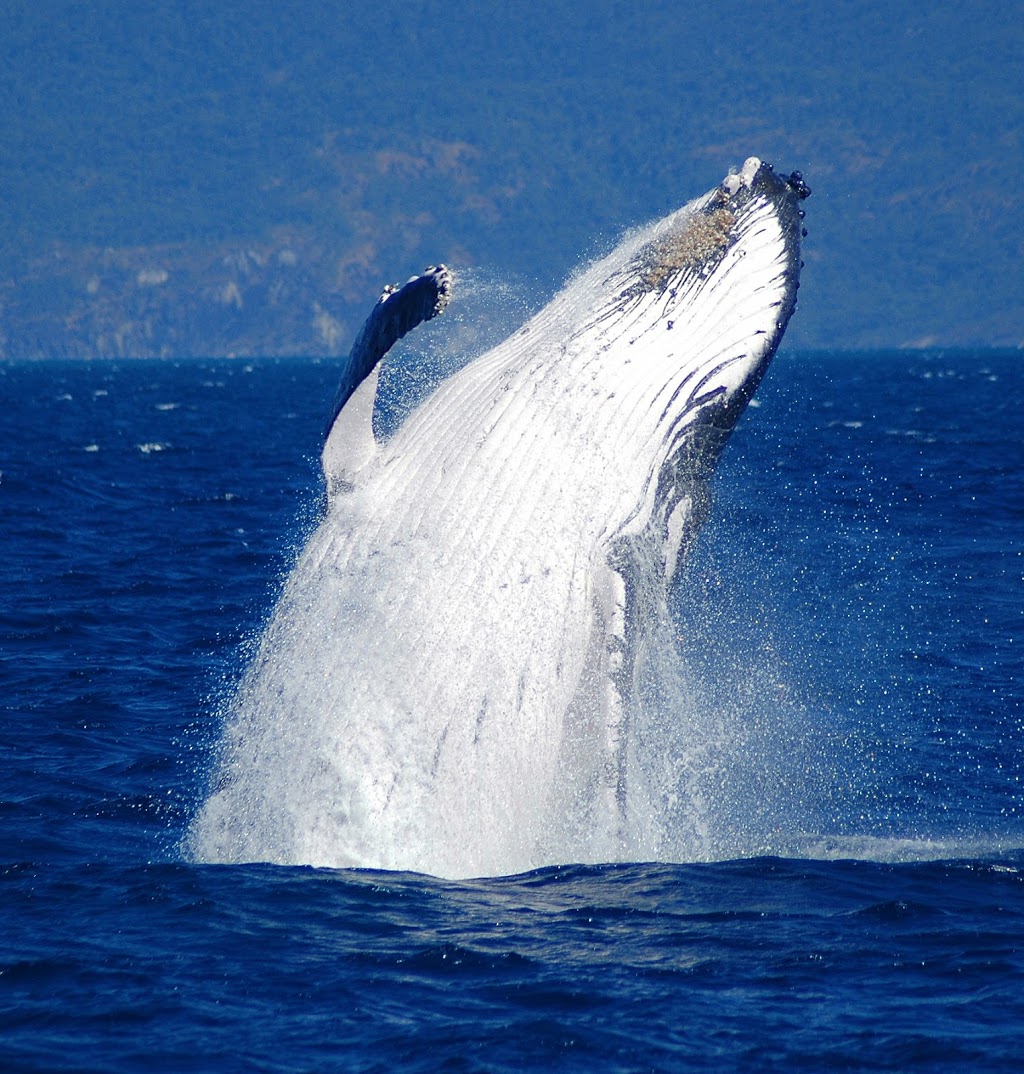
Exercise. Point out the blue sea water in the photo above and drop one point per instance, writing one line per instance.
(854, 606)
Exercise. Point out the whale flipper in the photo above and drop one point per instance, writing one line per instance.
(349, 441)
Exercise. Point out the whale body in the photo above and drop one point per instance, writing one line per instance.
(450, 681)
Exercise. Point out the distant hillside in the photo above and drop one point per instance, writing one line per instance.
(242, 179)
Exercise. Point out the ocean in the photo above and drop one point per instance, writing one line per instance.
(852, 616)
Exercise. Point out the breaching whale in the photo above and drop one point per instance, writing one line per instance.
(450, 679)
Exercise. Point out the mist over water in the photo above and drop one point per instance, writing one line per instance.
(824, 617)
(753, 734)
(486, 309)
(775, 694)
(720, 758)
(773, 697)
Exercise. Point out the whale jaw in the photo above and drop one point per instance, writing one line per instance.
(450, 682)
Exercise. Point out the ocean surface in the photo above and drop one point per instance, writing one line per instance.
(854, 611)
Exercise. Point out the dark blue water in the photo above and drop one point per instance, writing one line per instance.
(856, 608)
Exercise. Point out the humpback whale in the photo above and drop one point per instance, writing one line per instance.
(450, 681)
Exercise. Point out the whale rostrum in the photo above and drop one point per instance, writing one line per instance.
(449, 682)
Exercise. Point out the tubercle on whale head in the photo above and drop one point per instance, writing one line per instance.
(759, 178)
(759, 175)
(795, 181)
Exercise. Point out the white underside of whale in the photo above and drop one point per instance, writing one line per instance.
(448, 681)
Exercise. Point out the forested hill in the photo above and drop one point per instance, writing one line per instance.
(242, 178)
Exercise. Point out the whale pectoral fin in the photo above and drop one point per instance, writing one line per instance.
(349, 442)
